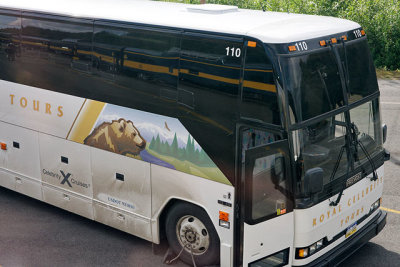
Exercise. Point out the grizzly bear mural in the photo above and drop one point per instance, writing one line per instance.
(119, 136)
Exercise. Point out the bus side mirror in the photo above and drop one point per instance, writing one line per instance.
(384, 132)
(313, 181)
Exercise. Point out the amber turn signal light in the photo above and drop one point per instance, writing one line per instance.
(251, 44)
(223, 216)
(3, 146)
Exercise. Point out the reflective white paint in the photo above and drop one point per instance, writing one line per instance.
(269, 27)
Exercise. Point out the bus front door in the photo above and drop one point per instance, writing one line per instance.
(267, 222)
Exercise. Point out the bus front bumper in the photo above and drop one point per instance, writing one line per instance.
(340, 253)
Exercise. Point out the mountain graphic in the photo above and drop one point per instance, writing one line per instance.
(149, 130)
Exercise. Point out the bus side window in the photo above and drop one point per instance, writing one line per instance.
(142, 60)
(268, 187)
(55, 50)
(259, 98)
(210, 68)
(10, 25)
(208, 93)
(253, 138)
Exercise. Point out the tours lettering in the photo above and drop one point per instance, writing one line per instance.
(36, 105)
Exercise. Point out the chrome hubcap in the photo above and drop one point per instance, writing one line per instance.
(192, 235)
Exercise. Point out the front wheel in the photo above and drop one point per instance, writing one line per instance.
(190, 232)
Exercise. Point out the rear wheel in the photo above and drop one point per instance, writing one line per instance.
(189, 230)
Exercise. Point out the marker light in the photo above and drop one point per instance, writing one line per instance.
(322, 43)
(224, 224)
(333, 40)
(224, 219)
(3, 146)
(303, 252)
(223, 216)
(362, 32)
(344, 38)
(251, 44)
(292, 48)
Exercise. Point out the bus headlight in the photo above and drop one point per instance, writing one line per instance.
(313, 248)
(302, 253)
(320, 243)
(375, 206)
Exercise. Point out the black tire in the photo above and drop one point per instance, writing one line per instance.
(189, 213)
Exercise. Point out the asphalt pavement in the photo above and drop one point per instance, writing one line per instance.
(33, 233)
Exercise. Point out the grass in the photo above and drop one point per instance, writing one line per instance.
(387, 74)
(210, 173)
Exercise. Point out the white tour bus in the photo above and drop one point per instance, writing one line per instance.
(246, 138)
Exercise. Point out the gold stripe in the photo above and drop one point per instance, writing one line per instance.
(60, 48)
(390, 210)
(258, 70)
(260, 86)
(86, 120)
(149, 67)
(77, 115)
(141, 54)
(226, 67)
(84, 52)
(33, 43)
(104, 57)
(212, 77)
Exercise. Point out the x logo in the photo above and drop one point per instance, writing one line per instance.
(66, 177)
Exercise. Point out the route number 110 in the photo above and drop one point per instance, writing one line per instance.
(233, 52)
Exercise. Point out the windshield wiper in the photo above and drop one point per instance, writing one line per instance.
(336, 202)
(355, 142)
(368, 156)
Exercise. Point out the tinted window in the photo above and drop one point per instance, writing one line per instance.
(211, 63)
(10, 25)
(361, 70)
(259, 100)
(208, 94)
(313, 83)
(266, 176)
(55, 51)
(141, 64)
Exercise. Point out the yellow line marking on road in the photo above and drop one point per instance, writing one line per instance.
(390, 210)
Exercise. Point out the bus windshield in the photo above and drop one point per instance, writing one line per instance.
(314, 82)
(315, 86)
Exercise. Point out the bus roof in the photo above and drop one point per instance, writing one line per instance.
(269, 27)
